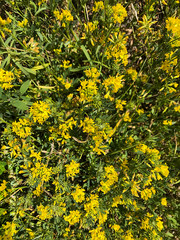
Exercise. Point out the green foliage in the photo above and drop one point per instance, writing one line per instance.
(89, 107)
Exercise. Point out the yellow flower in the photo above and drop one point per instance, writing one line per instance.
(116, 227)
(6, 79)
(64, 16)
(72, 169)
(92, 206)
(159, 223)
(3, 185)
(45, 212)
(22, 128)
(40, 111)
(91, 26)
(132, 72)
(97, 234)
(119, 104)
(23, 23)
(73, 217)
(79, 194)
(66, 64)
(146, 24)
(92, 73)
(147, 193)
(119, 13)
(98, 6)
(173, 25)
(164, 201)
(126, 117)
(177, 108)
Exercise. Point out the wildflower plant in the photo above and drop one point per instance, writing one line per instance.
(89, 116)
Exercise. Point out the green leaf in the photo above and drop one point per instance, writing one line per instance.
(2, 167)
(40, 67)
(30, 70)
(168, 234)
(24, 87)
(40, 10)
(20, 105)
(86, 54)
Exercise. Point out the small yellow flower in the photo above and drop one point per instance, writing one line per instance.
(164, 201)
(66, 64)
(79, 194)
(116, 227)
(72, 169)
(73, 217)
(168, 123)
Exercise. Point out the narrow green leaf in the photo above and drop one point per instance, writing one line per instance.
(24, 87)
(40, 67)
(86, 54)
(40, 10)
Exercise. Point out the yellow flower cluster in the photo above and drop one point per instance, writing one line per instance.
(79, 194)
(10, 230)
(112, 176)
(91, 26)
(97, 135)
(103, 217)
(177, 108)
(40, 112)
(169, 63)
(92, 73)
(119, 13)
(41, 171)
(112, 85)
(64, 82)
(97, 234)
(72, 169)
(73, 217)
(92, 206)
(117, 200)
(126, 117)
(167, 122)
(87, 90)
(22, 128)
(133, 73)
(159, 223)
(153, 154)
(64, 16)
(119, 104)
(6, 79)
(163, 169)
(88, 125)
(23, 23)
(115, 227)
(3, 24)
(145, 222)
(62, 132)
(45, 212)
(98, 6)
(3, 185)
(15, 149)
(147, 193)
(173, 25)
(164, 201)
(66, 64)
(118, 50)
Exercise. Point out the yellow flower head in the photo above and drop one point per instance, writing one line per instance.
(40, 112)
(164, 201)
(72, 169)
